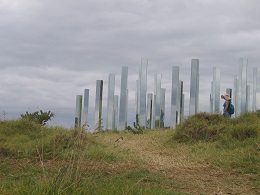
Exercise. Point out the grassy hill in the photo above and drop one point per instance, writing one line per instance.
(208, 154)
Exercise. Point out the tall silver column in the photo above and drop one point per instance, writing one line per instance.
(216, 90)
(98, 105)
(149, 110)
(110, 101)
(211, 98)
(115, 115)
(153, 112)
(210, 103)
(85, 110)
(126, 111)
(181, 103)
(162, 112)
(248, 98)
(78, 111)
(142, 94)
(256, 89)
(243, 82)
(237, 96)
(194, 87)
(137, 95)
(123, 99)
(229, 92)
(174, 96)
(157, 92)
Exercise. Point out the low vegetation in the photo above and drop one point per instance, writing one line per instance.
(39, 117)
(215, 127)
(207, 154)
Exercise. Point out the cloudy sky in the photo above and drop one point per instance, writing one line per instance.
(51, 50)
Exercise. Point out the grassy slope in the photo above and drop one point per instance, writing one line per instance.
(40, 160)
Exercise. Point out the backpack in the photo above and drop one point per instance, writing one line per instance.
(231, 108)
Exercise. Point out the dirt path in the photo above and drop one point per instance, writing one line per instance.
(191, 178)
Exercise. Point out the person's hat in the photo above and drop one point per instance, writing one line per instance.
(226, 97)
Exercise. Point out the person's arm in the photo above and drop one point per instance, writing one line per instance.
(226, 108)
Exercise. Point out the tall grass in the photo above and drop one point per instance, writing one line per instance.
(52, 160)
(233, 144)
(215, 127)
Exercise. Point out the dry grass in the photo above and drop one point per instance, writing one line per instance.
(192, 174)
(72, 162)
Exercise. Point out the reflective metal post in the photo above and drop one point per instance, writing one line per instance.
(243, 82)
(256, 89)
(174, 96)
(157, 92)
(137, 102)
(210, 103)
(248, 98)
(98, 105)
(229, 92)
(194, 87)
(85, 109)
(110, 101)
(180, 108)
(153, 112)
(78, 111)
(149, 110)
(126, 111)
(216, 90)
(182, 105)
(123, 99)
(211, 98)
(162, 112)
(142, 94)
(115, 115)
(237, 97)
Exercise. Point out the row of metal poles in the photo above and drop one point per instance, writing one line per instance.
(150, 107)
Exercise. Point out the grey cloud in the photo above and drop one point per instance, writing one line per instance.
(55, 49)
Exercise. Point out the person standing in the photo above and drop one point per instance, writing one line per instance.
(226, 105)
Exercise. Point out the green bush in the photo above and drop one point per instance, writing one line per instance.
(22, 126)
(201, 126)
(24, 138)
(244, 131)
(39, 117)
(213, 127)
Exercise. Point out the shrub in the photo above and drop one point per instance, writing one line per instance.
(39, 117)
(244, 131)
(201, 126)
(23, 126)
(212, 127)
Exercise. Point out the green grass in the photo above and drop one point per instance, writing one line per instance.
(35, 159)
(230, 144)
(53, 160)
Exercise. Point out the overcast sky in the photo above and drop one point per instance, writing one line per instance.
(51, 50)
